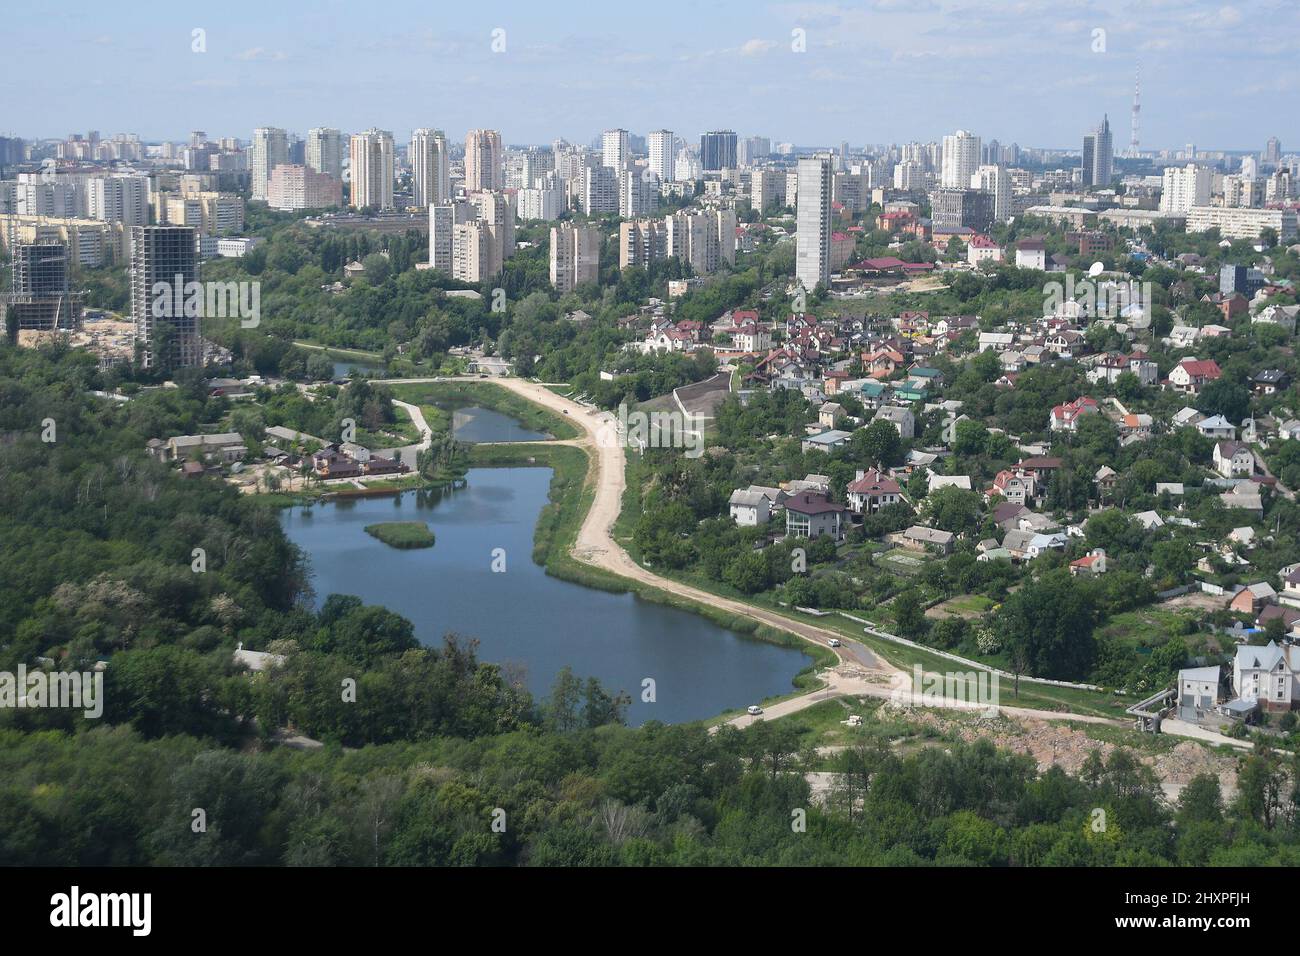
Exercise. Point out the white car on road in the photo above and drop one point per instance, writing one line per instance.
(754, 710)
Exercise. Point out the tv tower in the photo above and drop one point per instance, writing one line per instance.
(1137, 110)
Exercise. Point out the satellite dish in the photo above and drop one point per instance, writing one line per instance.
(1096, 269)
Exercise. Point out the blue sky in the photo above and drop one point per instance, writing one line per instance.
(1222, 75)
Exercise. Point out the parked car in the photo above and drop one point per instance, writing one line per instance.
(754, 710)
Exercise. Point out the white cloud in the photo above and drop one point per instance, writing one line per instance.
(756, 47)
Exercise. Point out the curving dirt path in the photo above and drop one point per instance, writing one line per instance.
(858, 672)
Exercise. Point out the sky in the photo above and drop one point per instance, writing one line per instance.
(1035, 72)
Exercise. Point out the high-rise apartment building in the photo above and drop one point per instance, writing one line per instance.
(613, 149)
(961, 157)
(371, 164)
(702, 238)
(753, 149)
(541, 203)
(718, 150)
(662, 146)
(1185, 187)
(812, 258)
(575, 256)
(324, 151)
(767, 189)
(496, 210)
(637, 194)
(484, 160)
(642, 242)
(123, 199)
(295, 187)
(909, 175)
(270, 149)
(430, 167)
(599, 190)
(443, 220)
(995, 180)
(164, 261)
(472, 258)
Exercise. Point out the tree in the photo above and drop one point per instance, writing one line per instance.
(909, 615)
(878, 443)
(1049, 623)
(954, 509)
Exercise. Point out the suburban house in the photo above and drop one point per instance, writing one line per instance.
(827, 441)
(1027, 545)
(870, 491)
(1065, 418)
(901, 418)
(1191, 375)
(920, 538)
(751, 337)
(1111, 366)
(1269, 380)
(1218, 428)
(982, 249)
(1016, 486)
(753, 505)
(1093, 563)
(1253, 598)
(1267, 675)
(1234, 459)
(830, 415)
(810, 515)
(1031, 254)
(1290, 593)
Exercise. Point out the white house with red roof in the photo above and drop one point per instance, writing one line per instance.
(982, 249)
(1065, 418)
(1013, 485)
(1191, 375)
(872, 490)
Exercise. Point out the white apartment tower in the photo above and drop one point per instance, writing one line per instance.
(123, 199)
(430, 173)
(1185, 187)
(324, 151)
(270, 149)
(812, 260)
(961, 158)
(371, 159)
(663, 153)
(613, 148)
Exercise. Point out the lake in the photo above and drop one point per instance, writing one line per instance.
(524, 619)
(474, 424)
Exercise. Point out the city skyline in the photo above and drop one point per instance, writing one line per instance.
(878, 72)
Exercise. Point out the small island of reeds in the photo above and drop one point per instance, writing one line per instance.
(402, 534)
